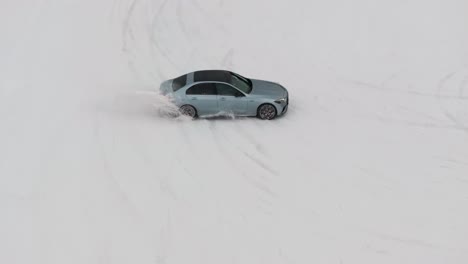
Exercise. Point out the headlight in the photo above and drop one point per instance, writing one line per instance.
(281, 101)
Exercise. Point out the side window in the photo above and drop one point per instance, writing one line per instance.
(202, 89)
(226, 90)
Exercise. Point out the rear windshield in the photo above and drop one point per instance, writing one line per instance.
(179, 82)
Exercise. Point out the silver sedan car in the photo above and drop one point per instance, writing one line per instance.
(219, 92)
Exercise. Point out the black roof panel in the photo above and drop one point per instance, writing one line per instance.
(211, 75)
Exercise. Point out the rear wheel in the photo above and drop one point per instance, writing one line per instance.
(188, 110)
(266, 112)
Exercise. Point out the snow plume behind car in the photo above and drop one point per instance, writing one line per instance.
(140, 104)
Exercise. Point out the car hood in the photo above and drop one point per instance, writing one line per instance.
(266, 88)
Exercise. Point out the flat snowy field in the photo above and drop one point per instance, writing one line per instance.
(370, 165)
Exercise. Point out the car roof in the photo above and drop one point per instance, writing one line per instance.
(211, 76)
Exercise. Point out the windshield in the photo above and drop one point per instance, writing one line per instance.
(242, 83)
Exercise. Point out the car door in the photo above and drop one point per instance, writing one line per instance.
(231, 100)
(203, 97)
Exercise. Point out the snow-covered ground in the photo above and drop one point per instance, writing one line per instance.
(370, 165)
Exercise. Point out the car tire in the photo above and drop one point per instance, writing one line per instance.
(188, 110)
(266, 112)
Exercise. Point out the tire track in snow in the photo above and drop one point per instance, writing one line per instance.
(449, 115)
(163, 233)
(377, 87)
(260, 182)
(438, 95)
(254, 142)
(131, 40)
(180, 20)
(155, 30)
(208, 17)
(226, 62)
(127, 31)
(462, 87)
(162, 163)
(226, 165)
(258, 162)
(106, 164)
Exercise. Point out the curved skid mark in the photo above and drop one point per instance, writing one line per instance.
(412, 242)
(127, 31)
(165, 234)
(416, 124)
(241, 171)
(164, 181)
(227, 60)
(259, 147)
(107, 166)
(263, 187)
(457, 123)
(383, 84)
(208, 16)
(454, 161)
(415, 93)
(462, 87)
(254, 159)
(154, 43)
(259, 163)
(422, 114)
(180, 20)
(441, 96)
(115, 6)
(442, 83)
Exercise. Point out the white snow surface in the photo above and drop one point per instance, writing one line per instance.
(370, 164)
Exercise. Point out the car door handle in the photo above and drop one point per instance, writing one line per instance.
(194, 98)
(222, 99)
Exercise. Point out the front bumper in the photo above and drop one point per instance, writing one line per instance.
(285, 107)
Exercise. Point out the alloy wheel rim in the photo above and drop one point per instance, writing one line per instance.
(267, 112)
(188, 111)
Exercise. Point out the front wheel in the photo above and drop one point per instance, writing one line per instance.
(266, 112)
(188, 110)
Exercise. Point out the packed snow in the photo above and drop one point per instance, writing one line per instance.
(369, 165)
